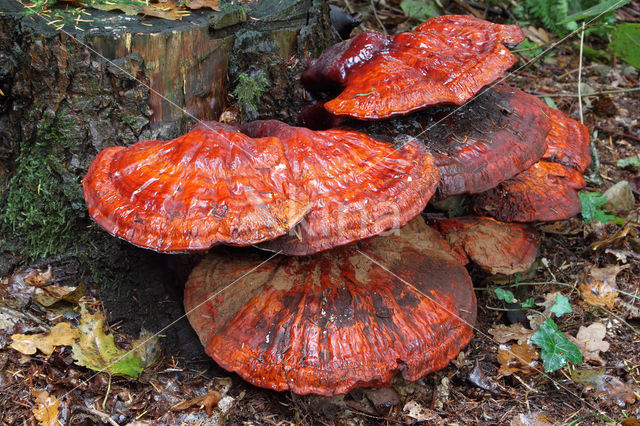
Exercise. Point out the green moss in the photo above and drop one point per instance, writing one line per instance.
(38, 212)
(127, 119)
(249, 90)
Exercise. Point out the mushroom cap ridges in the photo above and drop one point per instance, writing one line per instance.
(445, 60)
(496, 247)
(544, 192)
(359, 187)
(568, 142)
(497, 135)
(209, 186)
(333, 321)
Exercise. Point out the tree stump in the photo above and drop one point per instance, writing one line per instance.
(116, 80)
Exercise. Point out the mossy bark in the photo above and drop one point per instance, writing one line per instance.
(114, 81)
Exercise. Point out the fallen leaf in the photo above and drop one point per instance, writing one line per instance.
(417, 412)
(206, 401)
(97, 351)
(504, 334)
(623, 255)
(619, 237)
(534, 418)
(146, 347)
(199, 4)
(599, 287)
(590, 341)
(520, 358)
(46, 410)
(62, 334)
(478, 378)
(608, 388)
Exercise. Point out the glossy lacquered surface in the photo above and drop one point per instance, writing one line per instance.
(358, 186)
(444, 60)
(213, 185)
(334, 321)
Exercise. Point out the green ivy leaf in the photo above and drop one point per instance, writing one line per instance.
(556, 350)
(591, 203)
(561, 306)
(528, 303)
(504, 295)
(632, 163)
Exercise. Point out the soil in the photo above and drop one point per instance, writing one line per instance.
(471, 390)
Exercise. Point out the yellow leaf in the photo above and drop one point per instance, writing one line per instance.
(60, 335)
(96, 350)
(46, 412)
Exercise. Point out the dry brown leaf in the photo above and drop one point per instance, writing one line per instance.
(609, 388)
(504, 334)
(46, 410)
(590, 342)
(205, 401)
(62, 334)
(520, 358)
(199, 4)
(599, 287)
(534, 418)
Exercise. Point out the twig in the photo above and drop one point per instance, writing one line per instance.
(103, 416)
(375, 13)
(580, 75)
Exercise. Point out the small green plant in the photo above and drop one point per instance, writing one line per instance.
(592, 203)
(248, 90)
(555, 349)
(421, 10)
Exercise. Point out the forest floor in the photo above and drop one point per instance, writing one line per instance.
(482, 386)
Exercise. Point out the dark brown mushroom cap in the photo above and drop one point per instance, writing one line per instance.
(445, 60)
(497, 135)
(544, 192)
(334, 321)
(212, 185)
(496, 247)
(358, 186)
(568, 142)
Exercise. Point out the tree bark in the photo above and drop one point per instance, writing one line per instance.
(114, 81)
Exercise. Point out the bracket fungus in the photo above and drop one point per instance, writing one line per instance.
(444, 60)
(336, 320)
(493, 138)
(358, 186)
(548, 190)
(496, 247)
(213, 185)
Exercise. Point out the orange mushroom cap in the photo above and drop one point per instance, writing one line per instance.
(568, 142)
(334, 321)
(496, 247)
(445, 60)
(358, 186)
(544, 192)
(212, 185)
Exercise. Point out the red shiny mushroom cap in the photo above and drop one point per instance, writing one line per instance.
(568, 142)
(544, 192)
(445, 60)
(358, 186)
(334, 321)
(212, 185)
(496, 247)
